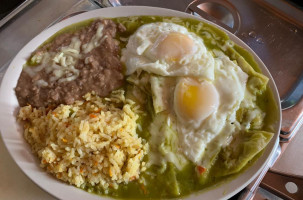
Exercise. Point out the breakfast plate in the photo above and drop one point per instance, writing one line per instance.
(21, 153)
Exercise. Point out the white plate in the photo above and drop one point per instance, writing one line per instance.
(12, 133)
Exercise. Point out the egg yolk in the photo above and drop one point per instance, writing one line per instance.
(194, 100)
(175, 46)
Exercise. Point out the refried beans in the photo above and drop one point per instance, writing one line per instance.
(72, 65)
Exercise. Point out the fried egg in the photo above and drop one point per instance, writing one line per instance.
(167, 49)
(200, 90)
(202, 111)
(194, 101)
(211, 114)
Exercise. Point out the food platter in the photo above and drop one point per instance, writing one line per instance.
(21, 153)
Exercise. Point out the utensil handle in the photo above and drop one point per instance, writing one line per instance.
(283, 185)
(250, 191)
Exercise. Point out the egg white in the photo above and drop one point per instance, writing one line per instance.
(230, 82)
(140, 53)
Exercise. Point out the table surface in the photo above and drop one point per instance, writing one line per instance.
(15, 184)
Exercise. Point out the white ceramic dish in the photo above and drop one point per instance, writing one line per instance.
(12, 133)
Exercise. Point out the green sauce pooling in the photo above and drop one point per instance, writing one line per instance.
(169, 182)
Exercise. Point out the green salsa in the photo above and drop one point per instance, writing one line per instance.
(157, 182)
